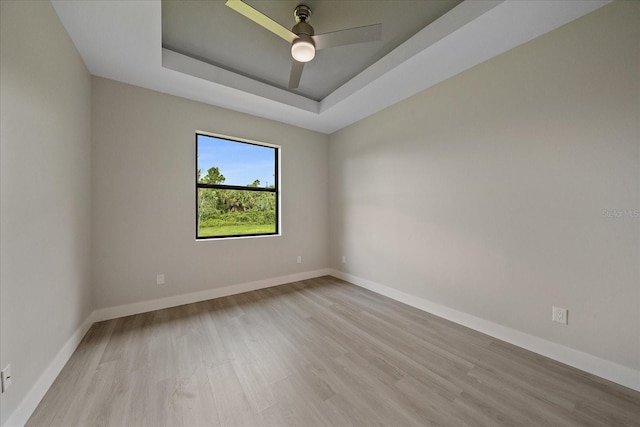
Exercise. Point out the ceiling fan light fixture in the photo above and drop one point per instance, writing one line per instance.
(303, 49)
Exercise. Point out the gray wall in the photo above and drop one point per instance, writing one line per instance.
(144, 198)
(46, 200)
(488, 193)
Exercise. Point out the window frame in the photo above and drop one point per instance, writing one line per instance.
(275, 189)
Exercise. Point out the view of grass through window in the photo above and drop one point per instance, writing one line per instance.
(237, 188)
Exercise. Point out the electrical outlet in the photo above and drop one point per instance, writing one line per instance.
(5, 377)
(344, 259)
(299, 260)
(559, 314)
(160, 279)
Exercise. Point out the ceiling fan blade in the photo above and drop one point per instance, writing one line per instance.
(296, 74)
(261, 19)
(367, 33)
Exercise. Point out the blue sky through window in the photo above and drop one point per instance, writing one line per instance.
(240, 163)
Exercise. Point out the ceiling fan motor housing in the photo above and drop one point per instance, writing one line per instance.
(302, 28)
(302, 14)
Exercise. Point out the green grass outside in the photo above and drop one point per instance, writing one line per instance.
(236, 229)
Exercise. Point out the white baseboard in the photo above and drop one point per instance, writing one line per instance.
(603, 368)
(176, 300)
(24, 410)
(611, 371)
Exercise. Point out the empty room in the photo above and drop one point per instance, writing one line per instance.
(320, 213)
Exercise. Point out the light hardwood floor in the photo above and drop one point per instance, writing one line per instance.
(313, 353)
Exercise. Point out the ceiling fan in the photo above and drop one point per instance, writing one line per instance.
(304, 42)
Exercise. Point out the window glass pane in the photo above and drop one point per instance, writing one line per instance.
(221, 161)
(235, 212)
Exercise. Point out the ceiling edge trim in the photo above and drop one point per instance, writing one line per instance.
(185, 64)
(439, 29)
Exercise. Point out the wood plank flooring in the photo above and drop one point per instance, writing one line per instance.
(320, 352)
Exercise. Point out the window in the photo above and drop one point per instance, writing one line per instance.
(237, 190)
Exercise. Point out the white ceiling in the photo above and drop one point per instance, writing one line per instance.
(123, 41)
